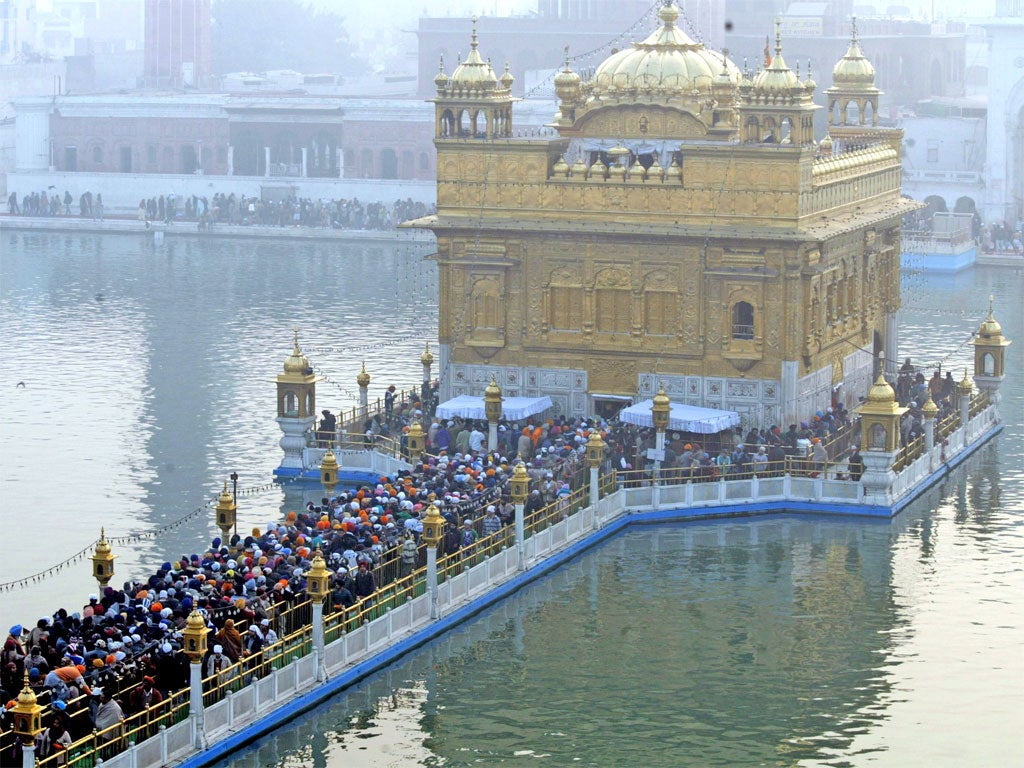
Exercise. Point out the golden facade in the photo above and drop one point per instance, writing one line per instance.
(679, 225)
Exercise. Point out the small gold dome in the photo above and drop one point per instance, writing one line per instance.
(853, 70)
(881, 392)
(990, 329)
(441, 79)
(296, 362)
(103, 546)
(195, 622)
(363, 378)
(661, 401)
(673, 172)
(560, 168)
(579, 168)
(492, 390)
(777, 76)
(567, 82)
(598, 169)
(507, 78)
(929, 410)
(27, 698)
(427, 358)
(655, 171)
(474, 72)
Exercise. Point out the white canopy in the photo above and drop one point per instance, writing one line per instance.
(684, 418)
(512, 408)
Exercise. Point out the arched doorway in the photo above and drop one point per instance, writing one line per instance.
(964, 205)
(187, 159)
(388, 164)
(935, 205)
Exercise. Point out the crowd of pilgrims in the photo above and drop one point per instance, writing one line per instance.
(121, 652)
(342, 213)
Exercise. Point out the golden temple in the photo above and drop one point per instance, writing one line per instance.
(679, 224)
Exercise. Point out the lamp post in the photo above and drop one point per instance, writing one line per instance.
(660, 409)
(492, 409)
(415, 440)
(363, 381)
(329, 472)
(427, 360)
(226, 511)
(28, 723)
(194, 636)
(103, 561)
(520, 486)
(595, 455)
(433, 529)
(234, 496)
(317, 585)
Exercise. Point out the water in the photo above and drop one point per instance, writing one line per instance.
(779, 641)
(149, 379)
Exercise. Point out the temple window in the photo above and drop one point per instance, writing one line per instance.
(742, 320)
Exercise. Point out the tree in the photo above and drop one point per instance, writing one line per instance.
(261, 35)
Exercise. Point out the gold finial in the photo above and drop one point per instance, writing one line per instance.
(567, 58)
(102, 545)
(991, 303)
(297, 350)
(363, 378)
(778, 36)
(472, 41)
(427, 358)
(853, 29)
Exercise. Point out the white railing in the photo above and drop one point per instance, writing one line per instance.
(248, 704)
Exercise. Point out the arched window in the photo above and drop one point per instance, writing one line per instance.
(988, 364)
(291, 404)
(97, 155)
(742, 320)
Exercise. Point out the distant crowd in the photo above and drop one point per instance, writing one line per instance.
(240, 210)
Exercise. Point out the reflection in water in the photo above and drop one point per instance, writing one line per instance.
(149, 377)
(668, 642)
(778, 642)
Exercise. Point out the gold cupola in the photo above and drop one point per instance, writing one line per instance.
(853, 83)
(474, 74)
(777, 77)
(990, 347)
(473, 103)
(441, 79)
(296, 386)
(880, 418)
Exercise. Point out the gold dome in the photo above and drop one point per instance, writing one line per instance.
(929, 410)
(103, 546)
(27, 698)
(427, 358)
(507, 78)
(474, 72)
(881, 392)
(567, 82)
(196, 622)
(441, 79)
(579, 168)
(363, 378)
(296, 362)
(990, 329)
(777, 76)
(668, 62)
(492, 390)
(561, 168)
(853, 70)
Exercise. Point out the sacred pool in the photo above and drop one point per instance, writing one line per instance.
(784, 640)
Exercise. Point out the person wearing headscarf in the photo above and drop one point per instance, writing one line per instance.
(231, 640)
